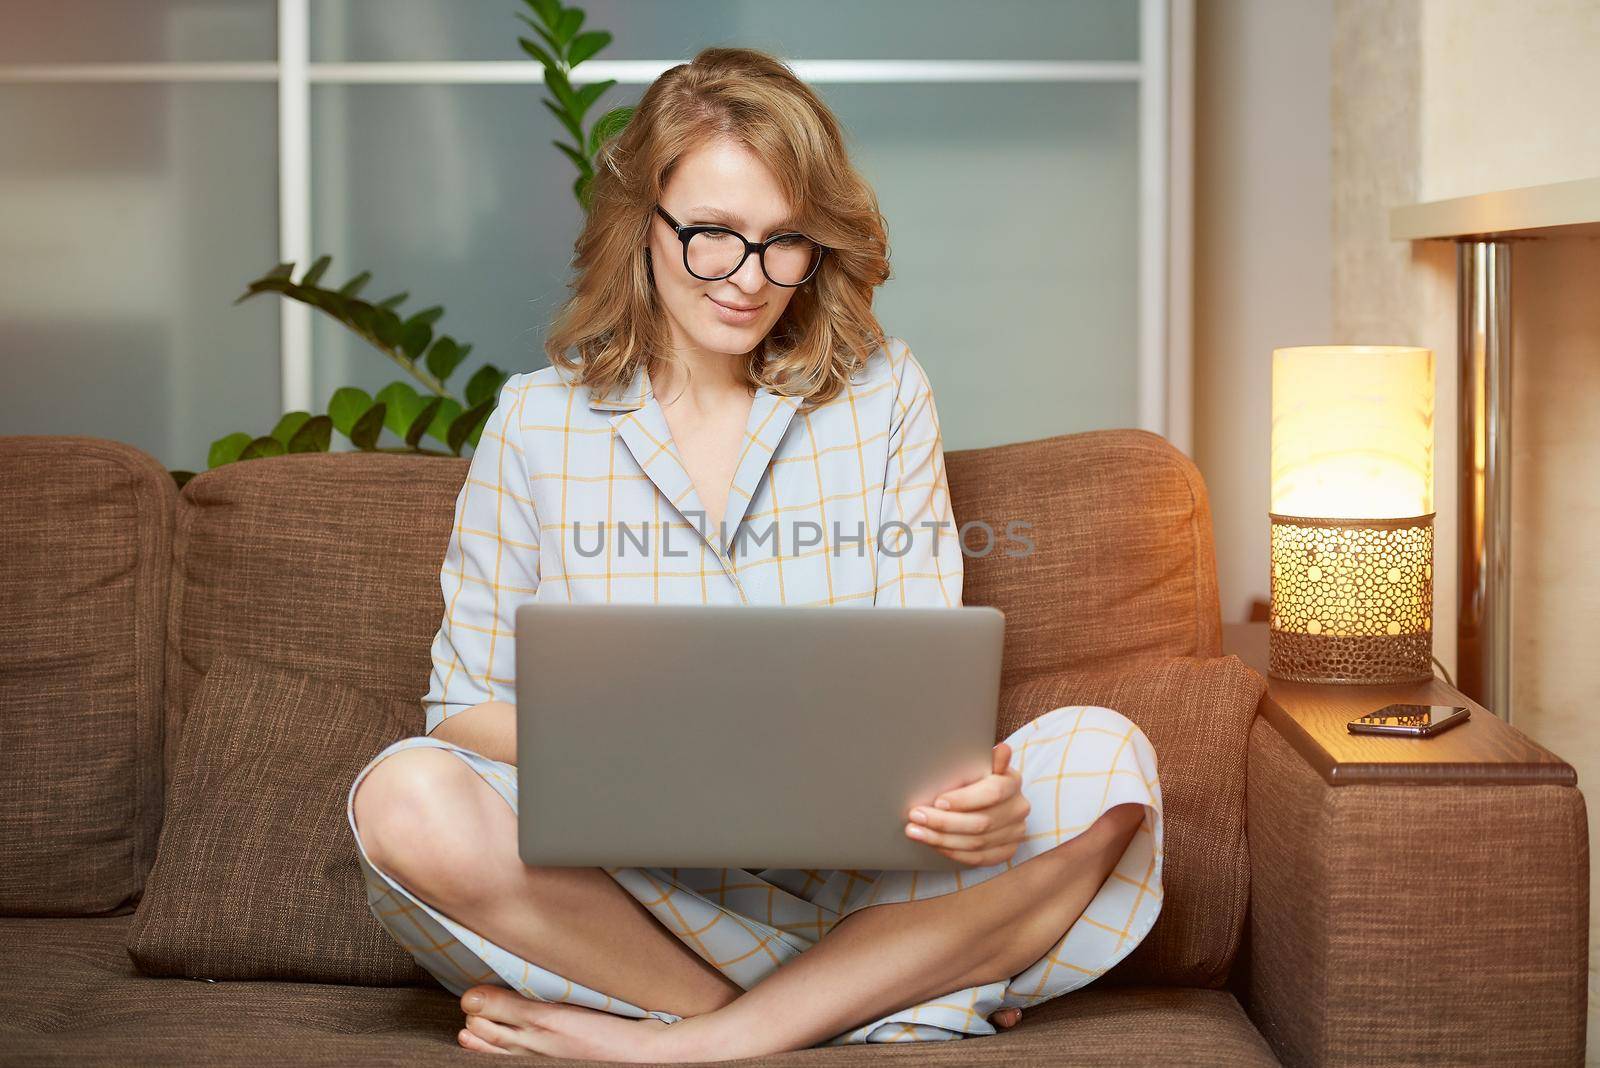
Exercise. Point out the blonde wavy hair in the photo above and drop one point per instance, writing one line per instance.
(614, 320)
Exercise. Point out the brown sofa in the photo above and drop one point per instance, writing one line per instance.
(123, 838)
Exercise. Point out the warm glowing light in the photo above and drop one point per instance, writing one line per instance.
(1352, 431)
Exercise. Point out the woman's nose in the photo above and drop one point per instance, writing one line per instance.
(749, 277)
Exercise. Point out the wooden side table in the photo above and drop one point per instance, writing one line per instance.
(1312, 718)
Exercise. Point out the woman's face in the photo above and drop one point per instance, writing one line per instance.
(720, 182)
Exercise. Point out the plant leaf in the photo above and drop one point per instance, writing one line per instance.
(225, 450)
(589, 94)
(414, 338)
(314, 273)
(364, 435)
(424, 419)
(569, 22)
(361, 318)
(566, 120)
(391, 302)
(426, 315)
(265, 445)
(449, 408)
(468, 425)
(536, 52)
(608, 126)
(585, 45)
(549, 10)
(386, 327)
(282, 270)
(291, 422)
(550, 39)
(558, 84)
(578, 158)
(485, 384)
(352, 287)
(580, 189)
(314, 436)
(346, 406)
(403, 403)
(444, 357)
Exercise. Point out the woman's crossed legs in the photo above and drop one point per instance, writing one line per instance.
(433, 824)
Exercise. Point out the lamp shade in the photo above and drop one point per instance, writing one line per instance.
(1352, 431)
(1352, 513)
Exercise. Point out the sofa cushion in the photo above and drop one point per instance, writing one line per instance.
(68, 996)
(256, 876)
(85, 539)
(1197, 715)
(1122, 566)
(320, 562)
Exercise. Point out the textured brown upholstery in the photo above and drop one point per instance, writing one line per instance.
(1197, 715)
(326, 563)
(1122, 566)
(85, 1005)
(1363, 953)
(327, 566)
(257, 876)
(85, 538)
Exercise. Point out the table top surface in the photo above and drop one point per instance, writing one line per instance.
(1312, 718)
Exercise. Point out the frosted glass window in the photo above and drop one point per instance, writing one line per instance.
(816, 29)
(137, 31)
(1025, 316)
(453, 194)
(131, 216)
(1013, 233)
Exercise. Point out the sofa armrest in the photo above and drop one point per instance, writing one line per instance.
(1408, 909)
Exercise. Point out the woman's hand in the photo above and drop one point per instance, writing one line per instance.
(980, 823)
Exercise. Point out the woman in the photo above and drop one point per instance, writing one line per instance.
(733, 395)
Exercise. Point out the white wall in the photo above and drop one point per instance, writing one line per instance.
(1263, 256)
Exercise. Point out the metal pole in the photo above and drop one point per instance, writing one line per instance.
(1483, 339)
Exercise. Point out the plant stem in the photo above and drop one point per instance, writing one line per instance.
(433, 385)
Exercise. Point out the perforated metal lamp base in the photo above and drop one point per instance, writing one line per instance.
(1352, 599)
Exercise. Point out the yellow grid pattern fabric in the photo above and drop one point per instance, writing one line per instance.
(576, 498)
(556, 467)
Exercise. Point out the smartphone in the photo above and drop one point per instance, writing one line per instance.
(1414, 721)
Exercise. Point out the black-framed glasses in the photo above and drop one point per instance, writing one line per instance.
(714, 252)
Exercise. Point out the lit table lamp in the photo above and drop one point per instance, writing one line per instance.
(1352, 514)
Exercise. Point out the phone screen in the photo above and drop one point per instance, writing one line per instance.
(1408, 717)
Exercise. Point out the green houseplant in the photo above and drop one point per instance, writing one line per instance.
(424, 407)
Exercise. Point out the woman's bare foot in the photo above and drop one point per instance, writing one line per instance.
(1004, 1018)
(502, 1021)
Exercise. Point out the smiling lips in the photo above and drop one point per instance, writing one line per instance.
(733, 315)
(736, 307)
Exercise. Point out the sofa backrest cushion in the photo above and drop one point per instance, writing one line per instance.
(1122, 566)
(1197, 715)
(85, 543)
(317, 562)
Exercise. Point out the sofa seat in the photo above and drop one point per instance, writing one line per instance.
(70, 995)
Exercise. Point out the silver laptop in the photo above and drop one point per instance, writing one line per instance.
(747, 736)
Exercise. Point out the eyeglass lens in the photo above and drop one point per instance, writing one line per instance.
(713, 254)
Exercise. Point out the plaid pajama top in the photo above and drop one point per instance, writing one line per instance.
(581, 498)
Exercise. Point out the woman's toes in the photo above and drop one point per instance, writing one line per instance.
(471, 1041)
(495, 1034)
(472, 1000)
(1004, 1018)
